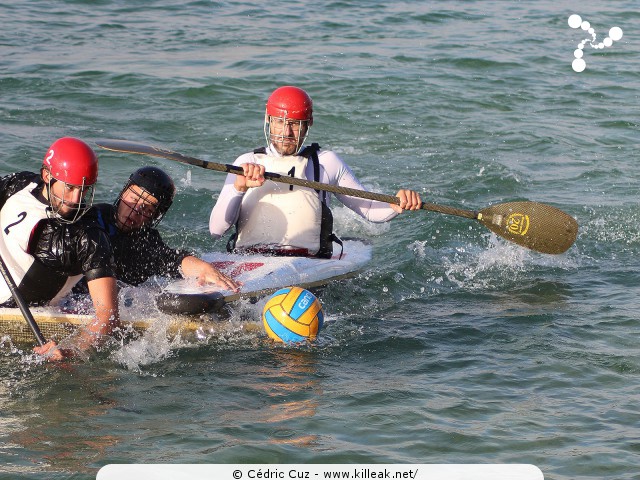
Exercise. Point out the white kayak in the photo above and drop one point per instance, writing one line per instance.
(261, 275)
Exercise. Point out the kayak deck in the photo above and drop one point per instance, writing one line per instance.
(261, 275)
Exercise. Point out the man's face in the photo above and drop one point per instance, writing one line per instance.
(136, 208)
(65, 199)
(287, 134)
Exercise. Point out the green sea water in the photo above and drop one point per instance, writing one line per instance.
(453, 346)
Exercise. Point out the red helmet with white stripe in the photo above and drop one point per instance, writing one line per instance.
(290, 102)
(72, 161)
(289, 114)
(74, 164)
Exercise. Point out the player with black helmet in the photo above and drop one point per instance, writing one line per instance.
(137, 245)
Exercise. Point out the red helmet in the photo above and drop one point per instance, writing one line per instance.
(290, 102)
(72, 161)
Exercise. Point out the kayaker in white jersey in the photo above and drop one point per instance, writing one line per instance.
(280, 219)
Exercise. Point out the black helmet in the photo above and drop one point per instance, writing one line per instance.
(157, 183)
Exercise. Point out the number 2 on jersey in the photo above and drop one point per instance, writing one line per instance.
(21, 216)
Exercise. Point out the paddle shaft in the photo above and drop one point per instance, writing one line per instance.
(22, 305)
(130, 147)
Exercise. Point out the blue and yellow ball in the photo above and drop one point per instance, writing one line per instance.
(292, 315)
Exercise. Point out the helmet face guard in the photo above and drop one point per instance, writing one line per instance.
(141, 209)
(287, 135)
(288, 117)
(147, 197)
(65, 209)
(71, 170)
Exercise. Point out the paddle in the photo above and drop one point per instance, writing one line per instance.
(537, 226)
(17, 296)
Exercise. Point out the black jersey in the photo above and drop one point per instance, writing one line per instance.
(59, 251)
(141, 254)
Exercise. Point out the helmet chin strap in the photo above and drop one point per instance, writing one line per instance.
(116, 217)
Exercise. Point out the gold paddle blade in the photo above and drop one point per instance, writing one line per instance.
(537, 226)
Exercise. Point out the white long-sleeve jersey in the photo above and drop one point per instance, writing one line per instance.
(333, 170)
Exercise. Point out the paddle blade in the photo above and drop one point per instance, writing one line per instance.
(190, 304)
(537, 226)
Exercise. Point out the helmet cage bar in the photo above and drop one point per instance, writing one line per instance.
(299, 128)
(146, 205)
(80, 209)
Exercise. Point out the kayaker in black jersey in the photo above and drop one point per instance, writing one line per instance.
(49, 241)
(138, 248)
